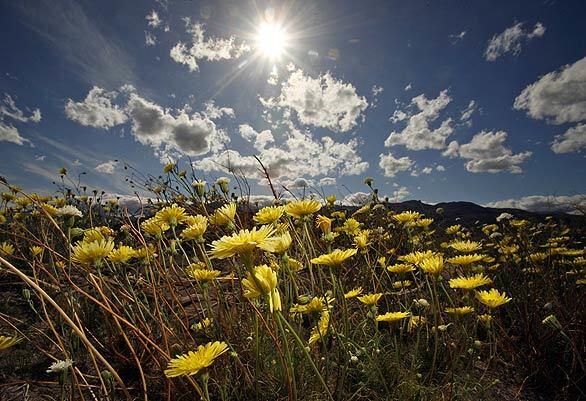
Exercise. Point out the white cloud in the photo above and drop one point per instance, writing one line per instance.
(408, 87)
(322, 102)
(400, 193)
(511, 39)
(259, 139)
(107, 167)
(573, 140)
(418, 135)
(153, 19)
(457, 37)
(327, 181)
(298, 154)
(439, 167)
(9, 109)
(559, 97)
(544, 203)
(205, 48)
(9, 133)
(487, 154)
(170, 134)
(466, 114)
(451, 150)
(96, 110)
(392, 166)
(357, 199)
(149, 38)
(426, 170)
(40, 158)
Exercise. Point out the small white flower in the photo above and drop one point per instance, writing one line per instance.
(70, 210)
(504, 216)
(60, 366)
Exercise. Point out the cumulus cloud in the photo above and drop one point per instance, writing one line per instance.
(400, 193)
(558, 97)
(259, 139)
(205, 48)
(487, 154)
(573, 140)
(96, 110)
(171, 134)
(297, 154)
(107, 167)
(511, 40)
(418, 135)
(322, 102)
(357, 199)
(466, 114)
(327, 181)
(391, 165)
(153, 19)
(544, 203)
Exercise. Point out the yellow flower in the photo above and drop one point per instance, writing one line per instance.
(192, 362)
(224, 215)
(122, 254)
(196, 228)
(263, 281)
(416, 257)
(97, 233)
(351, 227)
(423, 223)
(460, 311)
(485, 318)
(300, 208)
(168, 168)
(92, 253)
(331, 200)
(370, 299)
(402, 284)
(465, 260)
(203, 324)
(469, 283)
(6, 249)
(493, 298)
(200, 274)
(7, 342)
(324, 224)
(244, 242)
(269, 214)
(400, 268)
(51, 210)
(321, 329)
(171, 215)
(451, 230)
(406, 217)
(294, 264)
(144, 252)
(36, 250)
(154, 227)
(465, 246)
(281, 243)
(391, 317)
(353, 293)
(432, 265)
(335, 258)
(415, 321)
(317, 304)
(361, 240)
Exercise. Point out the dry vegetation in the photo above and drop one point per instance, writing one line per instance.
(201, 295)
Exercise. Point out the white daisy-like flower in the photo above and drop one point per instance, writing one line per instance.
(70, 210)
(60, 366)
(504, 216)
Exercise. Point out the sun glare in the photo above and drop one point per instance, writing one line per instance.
(271, 40)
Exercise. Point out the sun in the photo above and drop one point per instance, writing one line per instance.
(271, 40)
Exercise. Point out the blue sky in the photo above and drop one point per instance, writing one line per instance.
(438, 101)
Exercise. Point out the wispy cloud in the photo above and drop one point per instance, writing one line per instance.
(64, 24)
